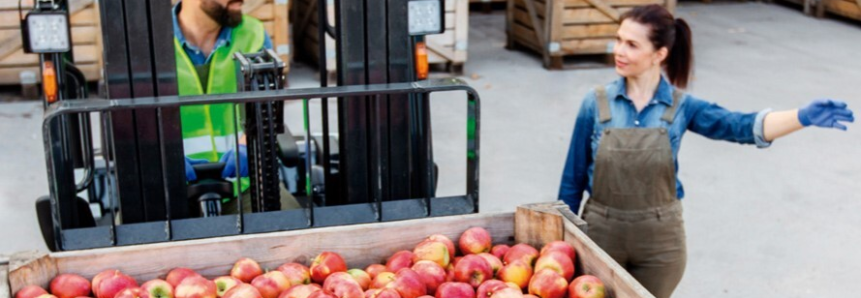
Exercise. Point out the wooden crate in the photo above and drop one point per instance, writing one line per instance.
(845, 8)
(558, 28)
(86, 41)
(360, 245)
(448, 48)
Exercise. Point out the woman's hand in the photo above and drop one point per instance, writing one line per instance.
(826, 113)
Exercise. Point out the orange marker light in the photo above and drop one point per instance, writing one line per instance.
(421, 61)
(49, 81)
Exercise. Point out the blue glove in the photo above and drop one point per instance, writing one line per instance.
(826, 113)
(190, 175)
(229, 160)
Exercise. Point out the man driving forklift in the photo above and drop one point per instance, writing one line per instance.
(207, 33)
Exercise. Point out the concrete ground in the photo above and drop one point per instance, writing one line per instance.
(778, 222)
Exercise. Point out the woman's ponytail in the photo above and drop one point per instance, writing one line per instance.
(679, 63)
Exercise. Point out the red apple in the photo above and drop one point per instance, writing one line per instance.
(487, 288)
(296, 273)
(362, 277)
(473, 269)
(521, 251)
(30, 291)
(518, 273)
(432, 274)
(224, 284)
(300, 291)
(114, 283)
(530, 296)
(400, 260)
(455, 290)
(175, 276)
(548, 284)
(560, 246)
(558, 262)
(495, 263)
(408, 283)
(474, 240)
(98, 279)
(156, 288)
(445, 240)
(129, 293)
(375, 269)
(46, 296)
(325, 264)
(382, 279)
(271, 284)
(70, 286)
(342, 285)
(322, 294)
(586, 286)
(197, 287)
(449, 273)
(383, 293)
(246, 270)
(507, 293)
(499, 250)
(243, 290)
(432, 251)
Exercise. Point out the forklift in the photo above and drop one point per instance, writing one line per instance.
(376, 165)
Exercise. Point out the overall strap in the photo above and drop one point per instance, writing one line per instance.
(670, 113)
(603, 104)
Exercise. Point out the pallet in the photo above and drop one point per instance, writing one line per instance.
(360, 245)
(558, 28)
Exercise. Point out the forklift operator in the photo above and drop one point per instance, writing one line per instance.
(207, 33)
(626, 140)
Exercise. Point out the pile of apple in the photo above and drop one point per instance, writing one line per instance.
(430, 270)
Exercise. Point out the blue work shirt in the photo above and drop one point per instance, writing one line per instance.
(194, 53)
(696, 115)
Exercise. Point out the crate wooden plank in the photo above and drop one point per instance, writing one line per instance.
(585, 46)
(613, 3)
(83, 54)
(31, 268)
(461, 31)
(11, 75)
(4, 281)
(536, 225)
(445, 38)
(522, 18)
(281, 35)
(589, 31)
(588, 16)
(525, 34)
(263, 12)
(849, 9)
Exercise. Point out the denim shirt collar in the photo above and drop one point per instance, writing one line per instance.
(223, 38)
(663, 94)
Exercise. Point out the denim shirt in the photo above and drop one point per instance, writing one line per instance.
(197, 56)
(696, 115)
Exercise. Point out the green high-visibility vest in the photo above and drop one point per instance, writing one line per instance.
(208, 131)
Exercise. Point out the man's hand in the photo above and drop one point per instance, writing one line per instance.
(190, 175)
(229, 160)
(826, 113)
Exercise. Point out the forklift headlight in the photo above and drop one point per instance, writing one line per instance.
(46, 33)
(426, 17)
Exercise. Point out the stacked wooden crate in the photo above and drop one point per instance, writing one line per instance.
(846, 8)
(86, 41)
(559, 28)
(306, 24)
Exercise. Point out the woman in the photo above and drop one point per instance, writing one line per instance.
(626, 140)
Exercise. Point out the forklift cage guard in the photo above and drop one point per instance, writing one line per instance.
(376, 210)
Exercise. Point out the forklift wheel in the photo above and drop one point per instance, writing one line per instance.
(46, 221)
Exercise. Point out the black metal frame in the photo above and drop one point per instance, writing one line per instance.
(67, 238)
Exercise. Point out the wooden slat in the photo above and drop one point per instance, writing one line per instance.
(26, 5)
(31, 268)
(589, 31)
(83, 54)
(265, 12)
(86, 17)
(587, 16)
(606, 9)
(522, 17)
(585, 46)
(844, 8)
(281, 38)
(540, 8)
(11, 75)
(525, 35)
(444, 39)
(536, 225)
(4, 281)
(613, 3)
(461, 31)
(360, 245)
(449, 20)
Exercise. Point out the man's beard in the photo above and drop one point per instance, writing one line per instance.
(221, 14)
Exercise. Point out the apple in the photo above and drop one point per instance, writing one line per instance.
(445, 240)
(382, 279)
(521, 251)
(342, 285)
(487, 288)
(30, 291)
(375, 269)
(197, 287)
(474, 240)
(70, 286)
(449, 273)
(383, 293)
(175, 276)
(455, 290)
(432, 251)
(156, 288)
(547, 283)
(296, 273)
(432, 274)
(224, 284)
(300, 291)
(518, 273)
(271, 284)
(558, 262)
(530, 296)
(507, 293)
(473, 269)
(113, 283)
(408, 283)
(98, 279)
(322, 294)
(134, 292)
(400, 260)
(586, 286)
(559, 246)
(495, 263)
(362, 277)
(243, 290)
(499, 250)
(325, 264)
(246, 270)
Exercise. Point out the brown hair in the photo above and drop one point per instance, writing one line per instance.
(669, 32)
